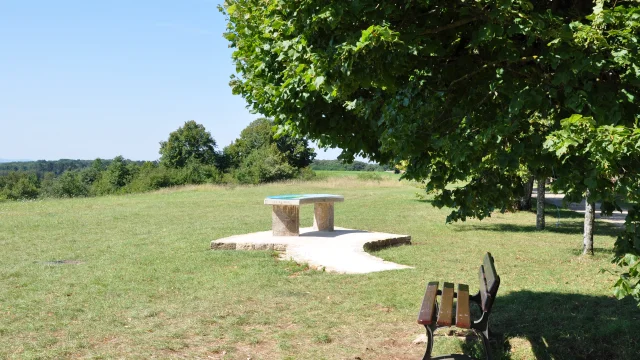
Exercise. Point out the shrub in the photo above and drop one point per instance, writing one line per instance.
(19, 185)
(197, 173)
(69, 184)
(265, 164)
(230, 178)
(118, 174)
(102, 187)
(369, 176)
(150, 177)
(307, 173)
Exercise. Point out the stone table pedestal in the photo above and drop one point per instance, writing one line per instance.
(285, 220)
(323, 216)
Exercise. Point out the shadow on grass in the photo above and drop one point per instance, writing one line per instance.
(569, 227)
(425, 200)
(562, 326)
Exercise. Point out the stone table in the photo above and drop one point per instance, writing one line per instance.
(285, 218)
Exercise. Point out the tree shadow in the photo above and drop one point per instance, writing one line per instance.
(424, 201)
(569, 227)
(562, 326)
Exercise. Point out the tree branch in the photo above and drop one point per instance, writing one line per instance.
(454, 24)
(485, 66)
(523, 59)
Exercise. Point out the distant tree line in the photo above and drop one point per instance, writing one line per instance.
(338, 165)
(189, 156)
(41, 167)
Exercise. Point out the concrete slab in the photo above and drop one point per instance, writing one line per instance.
(341, 250)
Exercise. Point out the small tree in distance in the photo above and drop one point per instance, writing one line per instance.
(261, 134)
(190, 142)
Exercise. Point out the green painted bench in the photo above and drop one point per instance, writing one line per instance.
(434, 315)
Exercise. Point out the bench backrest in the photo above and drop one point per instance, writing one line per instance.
(489, 282)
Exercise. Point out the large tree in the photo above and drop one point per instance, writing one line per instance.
(466, 91)
(191, 142)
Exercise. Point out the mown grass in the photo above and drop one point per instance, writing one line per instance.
(362, 175)
(142, 283)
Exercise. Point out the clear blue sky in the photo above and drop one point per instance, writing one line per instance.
(85, 79)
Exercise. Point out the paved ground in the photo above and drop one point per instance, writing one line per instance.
(342, 250)
(556, 199)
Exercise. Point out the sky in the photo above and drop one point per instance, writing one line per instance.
(88, 79)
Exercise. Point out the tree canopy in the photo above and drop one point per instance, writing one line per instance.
(462, 90)
(191, 142)
(261, 133)
(470, 92)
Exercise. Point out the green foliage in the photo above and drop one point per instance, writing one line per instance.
(307, 173)
(265, 164)
(191, 142)
(57, 167)
(296, 150)
(604, 159)
(628, 257)
(255, 136)
(369, 176)
(18, 185)
(117, 174)
(261, 133)
(41, 167)
(601, 158)
(197, 173)
(69, 184)
(150, 176)
(120, 176)
(468, 92)
(464, 93)
(46, 184)
(338, 165)
(94, 172)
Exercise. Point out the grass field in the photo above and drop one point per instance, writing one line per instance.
(140, 282)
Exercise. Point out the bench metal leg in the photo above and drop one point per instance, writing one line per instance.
(427, 354)
(285, 220)
(323, 216)
(485, 342)
(481, 327)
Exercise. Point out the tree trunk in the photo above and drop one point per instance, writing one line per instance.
(589, 217)
(525, 202)
(540, 208)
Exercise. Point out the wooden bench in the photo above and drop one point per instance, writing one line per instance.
(434, 315)
(285, 217)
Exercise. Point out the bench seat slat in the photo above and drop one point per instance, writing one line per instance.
(445, 316)
(463, 317)
(427, 310)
